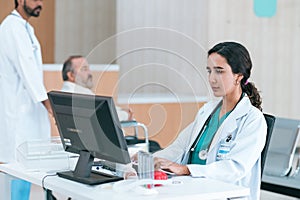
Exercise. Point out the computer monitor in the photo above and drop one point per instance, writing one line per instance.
(89, 126)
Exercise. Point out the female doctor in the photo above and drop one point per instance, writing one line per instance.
(227, 137)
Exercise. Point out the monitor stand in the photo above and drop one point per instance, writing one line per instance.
(83, 172)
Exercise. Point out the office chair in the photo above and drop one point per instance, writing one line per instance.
(270, 119)
(282, 148)
(278, 173)
(297, 170)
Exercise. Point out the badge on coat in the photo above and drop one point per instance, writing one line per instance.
(224, 148)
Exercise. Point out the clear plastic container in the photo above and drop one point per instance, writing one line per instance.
(134, 148)
(146, 167)
(43, 155)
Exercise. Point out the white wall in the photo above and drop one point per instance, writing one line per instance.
(81, 27)
(161, 45)
(274, 44)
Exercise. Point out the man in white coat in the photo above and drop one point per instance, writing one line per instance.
(23, 97)
(78, 78)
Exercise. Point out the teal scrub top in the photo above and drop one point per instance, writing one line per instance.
(207, 136)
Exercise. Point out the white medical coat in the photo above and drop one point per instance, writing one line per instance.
(69, 86)
(23, 116)
(248, 128)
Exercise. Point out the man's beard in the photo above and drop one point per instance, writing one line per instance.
(88, 83)
(32, 12)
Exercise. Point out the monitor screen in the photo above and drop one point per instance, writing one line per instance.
(89, 126)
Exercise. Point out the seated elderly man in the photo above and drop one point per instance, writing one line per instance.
(79, 79)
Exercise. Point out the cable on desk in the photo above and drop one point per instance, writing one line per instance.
(49, 195)
(43, 180)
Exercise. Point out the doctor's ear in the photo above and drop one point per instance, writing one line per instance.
(239, 78)
(71, 76)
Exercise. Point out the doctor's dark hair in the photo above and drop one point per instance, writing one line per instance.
(239, 60)
(16, 3)
(67, 67)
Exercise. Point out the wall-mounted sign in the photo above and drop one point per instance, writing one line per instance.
(265, 8)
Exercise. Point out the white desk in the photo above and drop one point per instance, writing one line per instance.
(191, 188)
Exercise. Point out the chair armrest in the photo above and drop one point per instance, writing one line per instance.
(129, 123)
(135, 125)
(297, 167)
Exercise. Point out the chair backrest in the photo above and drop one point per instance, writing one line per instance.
(270, 119)
(282, 147)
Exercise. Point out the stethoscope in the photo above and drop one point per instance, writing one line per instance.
(34, 46)
(204, 152)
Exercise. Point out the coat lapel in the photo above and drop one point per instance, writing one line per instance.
(201, 118)
(230, 123)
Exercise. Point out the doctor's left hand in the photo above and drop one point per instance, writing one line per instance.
(162, 163)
